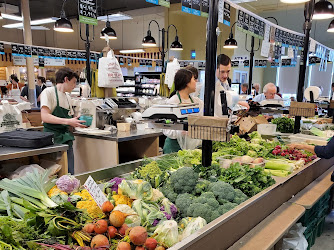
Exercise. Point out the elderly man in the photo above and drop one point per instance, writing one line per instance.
(244, 88)
(256, 86)
(269, 92)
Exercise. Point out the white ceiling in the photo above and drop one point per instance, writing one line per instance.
(269, 5)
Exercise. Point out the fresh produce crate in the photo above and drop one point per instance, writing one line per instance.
(320, 226)
(310, 237)
(208, 128)
(302, 109)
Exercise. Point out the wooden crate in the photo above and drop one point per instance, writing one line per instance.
(302, 109)
(249, 124)
(207, 128)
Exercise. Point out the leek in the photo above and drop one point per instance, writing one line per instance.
(280, 173)
(279, 165)
(31, 187)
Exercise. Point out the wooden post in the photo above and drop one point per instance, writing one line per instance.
(28, 41)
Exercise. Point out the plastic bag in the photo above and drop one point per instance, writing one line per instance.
(186, 142)
(10, 117)
(295, 238)
(87, 112)
(110, 73)
(172, 68)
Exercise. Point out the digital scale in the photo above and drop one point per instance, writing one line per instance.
(171, 111)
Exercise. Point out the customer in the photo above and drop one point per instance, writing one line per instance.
(14, 88)
(185, 84)
(257, 88)
(57, 112)
(244, 89)
(269, 92)
(25, 94)
(326, 152)
(41, 82)
(222, 84)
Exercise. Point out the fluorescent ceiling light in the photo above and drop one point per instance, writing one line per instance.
(12, 17)
(36, 28)
(127, 51)
(294, 1)
(35, 22)
(114, 17)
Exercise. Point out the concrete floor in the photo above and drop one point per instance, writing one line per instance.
(326, 240)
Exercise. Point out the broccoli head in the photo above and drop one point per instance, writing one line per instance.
(229, 206)
(215, 215)
(184, 180)
(168, 192)
(222, 191)
(202, 186)
(240, 197)
(201, 210)
(183, 201)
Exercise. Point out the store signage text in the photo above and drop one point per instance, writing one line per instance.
(87, 12)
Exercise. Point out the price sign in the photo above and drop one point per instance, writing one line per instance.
(94, 190)
(234, 64)
(186, 6)
(274, 64)
(41, 52)
(27, 51)
(87, 12)
(227, 14)
(34, 51)
(246, 63)
(149, 63)
(129, 61)
(121, 60)
(201, 65)
(158, 63)
(142, 62)
(41, 62)
(52, 53)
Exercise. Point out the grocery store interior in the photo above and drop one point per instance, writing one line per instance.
(167, 124)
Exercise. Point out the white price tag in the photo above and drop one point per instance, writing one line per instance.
(221, 11)
(94, 190)
(291, 53)
(313, 44)
(266, 33)
(265, 49)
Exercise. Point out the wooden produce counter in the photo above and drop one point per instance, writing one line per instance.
(93, 152)
(24, 156)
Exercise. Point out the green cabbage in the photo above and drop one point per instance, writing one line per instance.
(194, 225)
(167, 233)
(136, 189)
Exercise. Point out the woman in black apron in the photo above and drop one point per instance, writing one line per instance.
(59, 119)
(185, 84)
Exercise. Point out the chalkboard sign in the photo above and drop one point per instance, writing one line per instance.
(240, 22)
(196, 7)
(34, 51)
(205, 8)
(87, 12)
(2, 48)
(186, 6)
(142, 62)
(227, 14)
(46, 53)
(149, 63)
(234, 64)
(41, 62)
(246, 22)
(27, 51)
(201, 65)
(121, 60)
(246, 63)
(52, 53)
(274, 64)
(40, 52)
(158, 63)
(63, 54)
(129, 60)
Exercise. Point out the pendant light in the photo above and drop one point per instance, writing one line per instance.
(323, 10)
(231, 43)
(63, 24)
(176, 45)
(108, 31)
(148, 40)
(294, 1)
(331, 27)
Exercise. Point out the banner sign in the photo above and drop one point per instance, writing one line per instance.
(205, 8)
(186, 6)
(196, 7)
(227, 14)
(165, 3)
(87, 12)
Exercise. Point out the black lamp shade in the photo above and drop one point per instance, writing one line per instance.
(176, 45)
(331, 27)
(110, 32)
(323, 10)
(149, 40)
(231, 43)
(63, 25)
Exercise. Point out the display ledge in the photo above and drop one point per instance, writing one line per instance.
(124, 136)
(223, 232)
(8, 153)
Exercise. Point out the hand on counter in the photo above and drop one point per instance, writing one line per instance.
(302, 146)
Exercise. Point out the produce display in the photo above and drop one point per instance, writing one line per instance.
(159, 204)
(284, 124)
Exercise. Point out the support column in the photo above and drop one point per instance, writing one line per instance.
(28, 41)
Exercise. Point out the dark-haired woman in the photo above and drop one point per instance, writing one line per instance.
(14, 88)
(185, 84)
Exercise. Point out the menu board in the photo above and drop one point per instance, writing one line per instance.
(186, 6)
(227, 14)
(196, 7)
(2, 49)
(205, 8)
(41, 62)
(246, 63)
(234, 64)
(87, 12)
(27, 51)
(250, 24)
(34, 51)
(260, 63)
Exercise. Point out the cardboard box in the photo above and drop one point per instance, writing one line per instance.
(249, 124)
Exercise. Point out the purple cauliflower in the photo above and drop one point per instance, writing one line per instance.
(68, 183)
(168, 207)
(115, 182)
(167, 215)
(155, 222)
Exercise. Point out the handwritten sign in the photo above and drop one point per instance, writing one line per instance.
(87, 12)
(94, 190)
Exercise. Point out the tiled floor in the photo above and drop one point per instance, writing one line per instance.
(326, 240)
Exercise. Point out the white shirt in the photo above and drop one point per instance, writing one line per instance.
(261, 97)
(49, 99)
(218, 104)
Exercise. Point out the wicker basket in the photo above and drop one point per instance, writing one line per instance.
(302, 109)
(207, 128)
